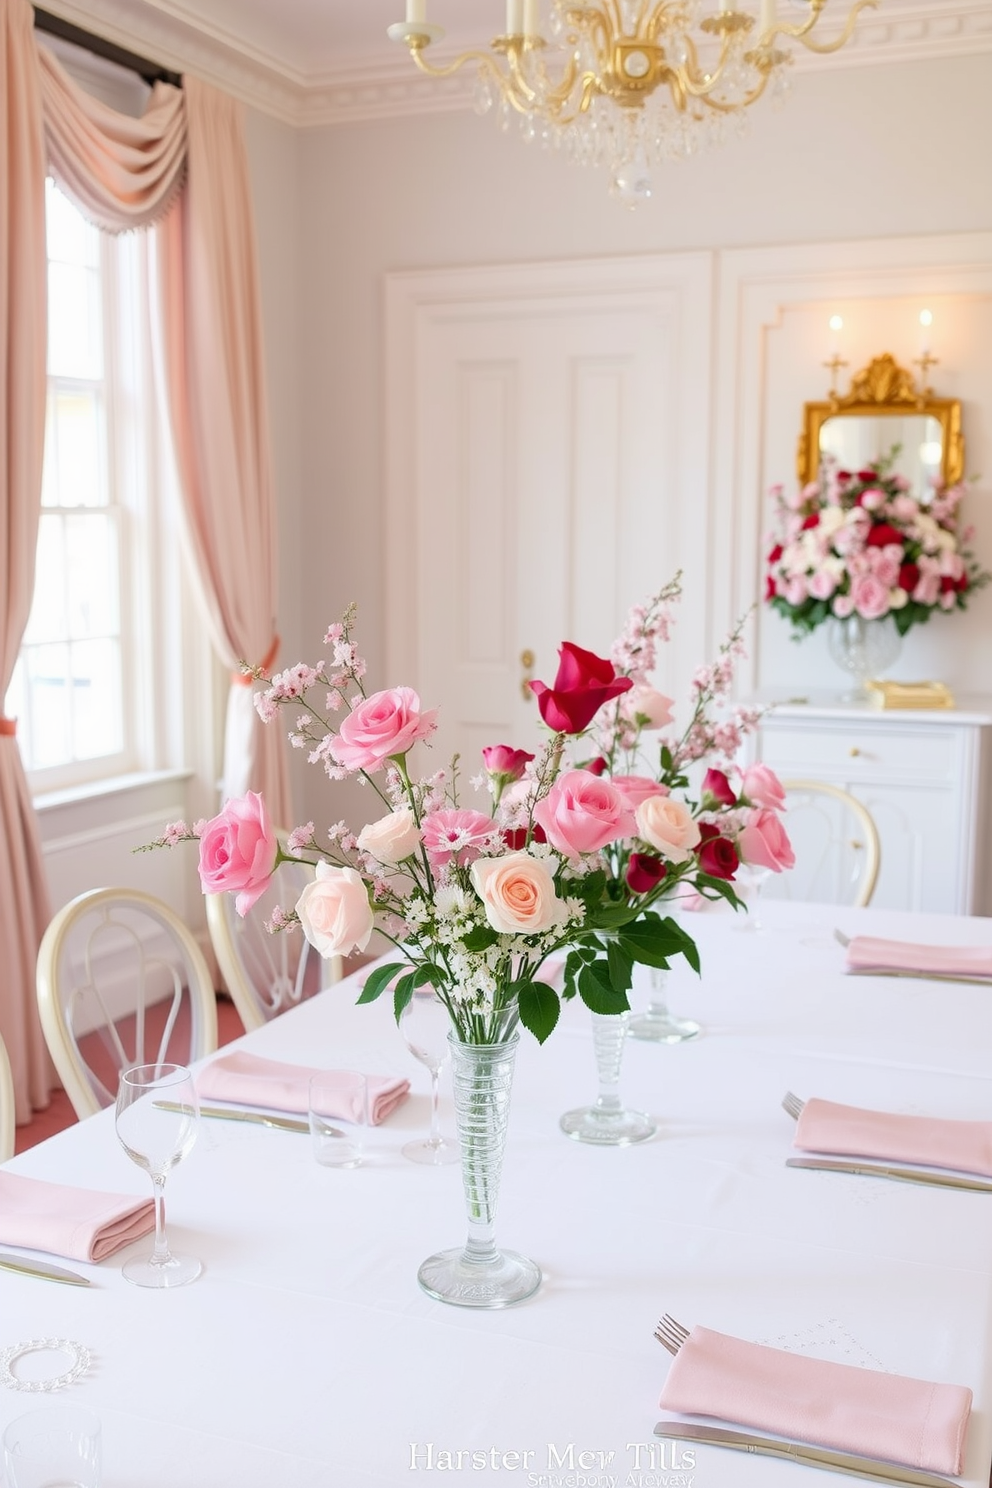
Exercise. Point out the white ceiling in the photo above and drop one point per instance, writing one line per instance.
(320, 61)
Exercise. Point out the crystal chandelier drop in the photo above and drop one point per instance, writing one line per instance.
(631, 83)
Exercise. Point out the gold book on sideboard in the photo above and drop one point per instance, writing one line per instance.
(910, 695)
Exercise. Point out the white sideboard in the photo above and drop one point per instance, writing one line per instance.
(925, 778)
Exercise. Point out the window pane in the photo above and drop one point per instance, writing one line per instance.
(71, 239)
(48, 680)
(74, 446)
(75, 332)
(91, 548)
(96, 698)
(48, 620)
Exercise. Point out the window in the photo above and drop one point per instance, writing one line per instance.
(76, 690)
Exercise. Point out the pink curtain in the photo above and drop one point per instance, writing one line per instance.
(24, 904)
(213, 352)
(124, 173)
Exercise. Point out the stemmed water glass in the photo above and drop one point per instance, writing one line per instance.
(425, 1026)
(157, 1119)
(749, 883)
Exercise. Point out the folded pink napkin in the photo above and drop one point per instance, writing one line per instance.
(76, 1222)
(249, 1080)
(825, 1126)
(865, 953)
(909, 1421)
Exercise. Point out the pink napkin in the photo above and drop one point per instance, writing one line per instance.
(903, 1420)
(250, 1080)
(76, 1222)
(868, 954)
(825, 1126)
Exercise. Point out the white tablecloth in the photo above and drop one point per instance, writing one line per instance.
(306, 1356)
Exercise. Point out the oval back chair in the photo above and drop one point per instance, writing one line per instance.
(836, 845)
(267, 972)
(6, 1106)
(121, 981)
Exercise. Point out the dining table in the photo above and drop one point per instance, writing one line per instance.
(307, 1356)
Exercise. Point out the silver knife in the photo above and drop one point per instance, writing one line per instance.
(28, 1267)
(902, 1175)
(869, 1468)
(260, 1118)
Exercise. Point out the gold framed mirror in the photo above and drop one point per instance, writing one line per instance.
(884, 408)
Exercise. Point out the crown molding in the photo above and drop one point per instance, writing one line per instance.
(373, 88)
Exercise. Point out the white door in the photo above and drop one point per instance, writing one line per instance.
(555, 474)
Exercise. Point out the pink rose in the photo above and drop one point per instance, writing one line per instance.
(392, 838)
(763, 787)
(505, 762)
(822, 584)
(764, 843)
(870, 596)
(582, 813)
(637, 788)
(668, 825)
(335, 912)
(796, 590)
(461, 835)
(381, 727)
(238, 851)
(518, 893)
(843, 605)
(647, 703)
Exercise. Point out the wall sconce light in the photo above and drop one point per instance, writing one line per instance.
(925, 361)
(836, 361)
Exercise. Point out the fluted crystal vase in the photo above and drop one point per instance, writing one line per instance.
(608, 1123)
(480, 1275)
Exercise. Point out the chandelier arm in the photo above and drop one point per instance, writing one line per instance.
(800, 33)
(743, 103)
(698, 84)
(448, 69)
(516, 83)
(554, 97)
(585, 99)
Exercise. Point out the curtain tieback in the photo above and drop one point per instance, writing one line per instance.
(245, 679)
(8, 726)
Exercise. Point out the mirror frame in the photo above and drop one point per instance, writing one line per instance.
(883, 388)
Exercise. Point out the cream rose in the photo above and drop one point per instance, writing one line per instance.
(668, 826)
(392, 838)
(518, 892)
(335, 912)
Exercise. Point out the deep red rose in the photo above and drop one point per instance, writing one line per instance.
(775, 553)
(718, 857)
(842, 477)
(516, 837)
(909, 576)
(962, 583)
(716, 784)
(868, 476)
(707, 830)
(813, 520)
(583, 684)
(883, 533)
(596, 766)
(769, 588)
(644, 872)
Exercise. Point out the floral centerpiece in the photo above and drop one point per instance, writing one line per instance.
(574, 852)
(859, 543)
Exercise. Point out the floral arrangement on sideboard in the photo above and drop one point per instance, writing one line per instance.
(859, 543)
(570, 849)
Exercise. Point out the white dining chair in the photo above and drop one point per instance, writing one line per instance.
(121, 981)
(6, 1106)
(836, 843)
(267, 972)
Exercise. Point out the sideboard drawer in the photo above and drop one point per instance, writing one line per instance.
(861, 751)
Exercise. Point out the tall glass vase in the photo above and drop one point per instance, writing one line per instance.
(479, 1275)
(863, 649)
(608, 1123)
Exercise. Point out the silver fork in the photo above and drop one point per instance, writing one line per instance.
(671, 1334)
(793, 1105)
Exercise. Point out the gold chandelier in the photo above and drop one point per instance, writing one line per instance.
(631, 83)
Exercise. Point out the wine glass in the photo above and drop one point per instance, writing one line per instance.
(425, 1025)
(749, 882)
(157, 1118)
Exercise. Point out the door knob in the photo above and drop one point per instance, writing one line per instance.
(527, 659)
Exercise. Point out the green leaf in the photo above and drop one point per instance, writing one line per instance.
(621, 966)
(652, 940)
(402, 993)
(539, 1008)
(591, 888)
(611, 916)
(378, 980)
(597, 990)
(480, 939)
